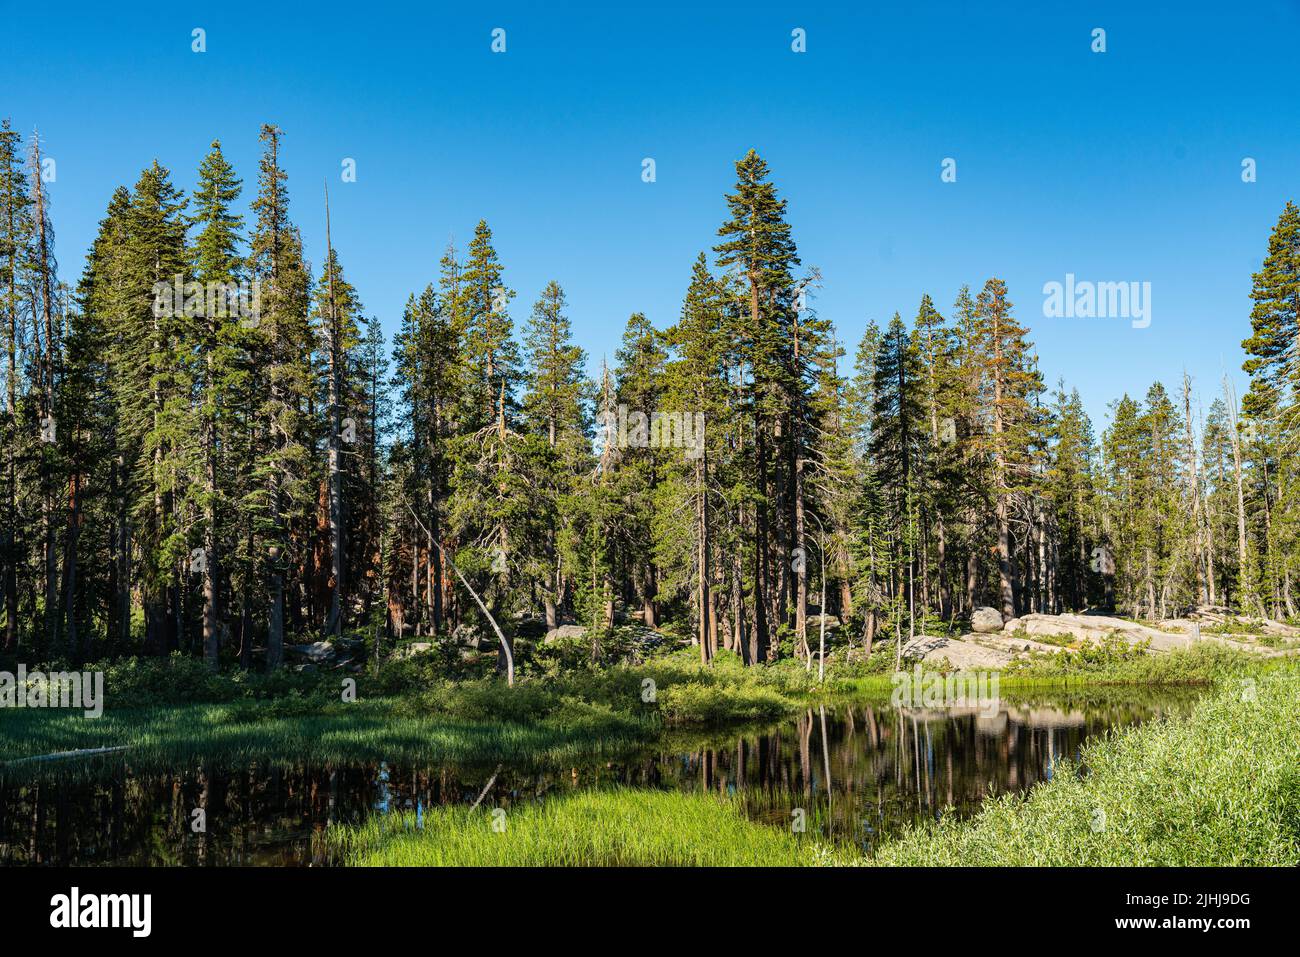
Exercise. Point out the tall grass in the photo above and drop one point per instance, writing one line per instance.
(1218, 787)
(621, 827)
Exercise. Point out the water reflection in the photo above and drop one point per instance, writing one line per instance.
(855, 771)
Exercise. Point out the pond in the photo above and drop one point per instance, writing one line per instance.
(855, 771)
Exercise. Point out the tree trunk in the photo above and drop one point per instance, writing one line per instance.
(70, 635)
(335, 623)
(708, 640)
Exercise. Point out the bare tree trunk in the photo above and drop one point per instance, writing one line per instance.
(506, 650)
(758, 639)
(1005, 570)
(708, 639)
(335, 623)
(46, 373)
(1235, 439)
(211, 643)
(276, 556)
(1194, 480)
(9, 541)
(70, 570)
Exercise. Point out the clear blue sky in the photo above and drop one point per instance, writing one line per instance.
(1117, 166)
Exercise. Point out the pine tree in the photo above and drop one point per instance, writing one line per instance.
(934, 347)
(1271, 411)
(1125, 444)
(216, 261)
(489, 349)
(557, 420)
(48, 329)
(425, 353)
(642, 462)
(336, 316)
(15, 262)
(273, 427)
(694, 383)
(490, 492)
(1008, 383)
(1070, 487)
(152, 382)
(100, 582)
(899, 445)
(758, 248)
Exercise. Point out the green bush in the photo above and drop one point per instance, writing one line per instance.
(700, 703)
(1117, 661)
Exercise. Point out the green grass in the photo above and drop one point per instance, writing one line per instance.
(231, 734)
(589, 829)
(1218, 787)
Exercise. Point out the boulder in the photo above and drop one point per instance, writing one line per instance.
(468, 635)
(316, 651)
(412, 648)
(565, 631)
(815, 623)
(985, 621)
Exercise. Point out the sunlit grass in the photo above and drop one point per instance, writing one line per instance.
(590, 829)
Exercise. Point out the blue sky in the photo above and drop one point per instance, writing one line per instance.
(1115, 166)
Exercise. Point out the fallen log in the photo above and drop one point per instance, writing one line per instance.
(58, 755)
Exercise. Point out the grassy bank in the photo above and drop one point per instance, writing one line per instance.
(1218, 787)
(595, 828)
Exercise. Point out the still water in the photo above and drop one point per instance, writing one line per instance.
(855, 771)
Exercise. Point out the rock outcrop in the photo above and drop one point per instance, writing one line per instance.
(1097, 628)
(960, 653)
